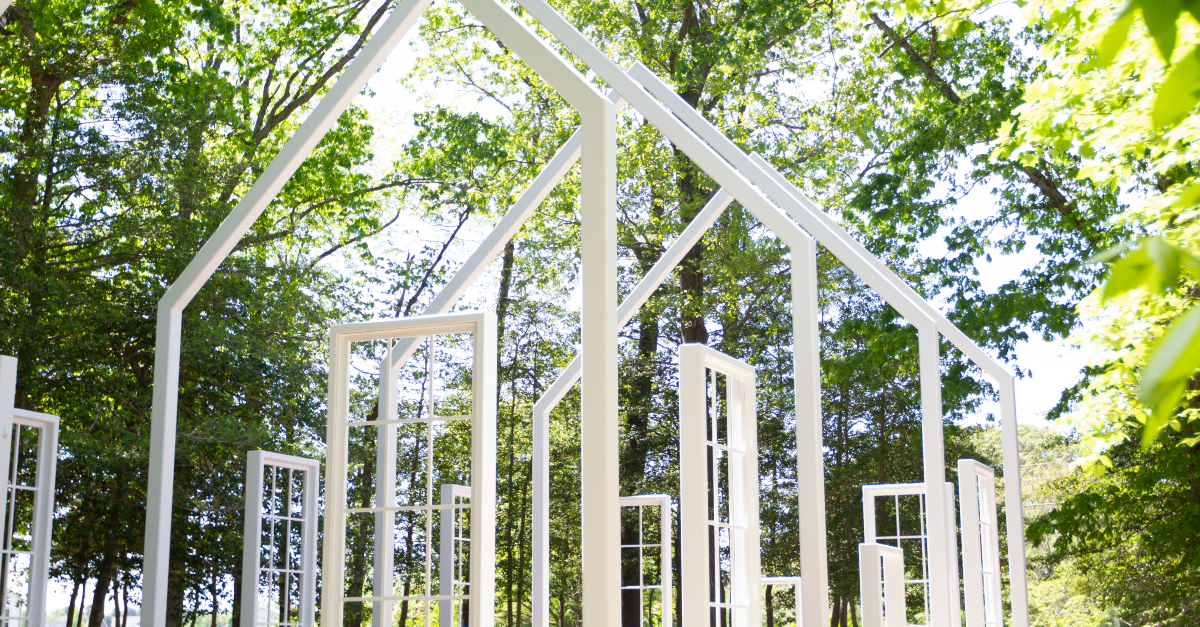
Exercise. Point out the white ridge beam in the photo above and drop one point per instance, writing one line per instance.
(570, 376)
(808, 214)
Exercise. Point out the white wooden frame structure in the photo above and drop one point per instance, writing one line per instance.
(786, 581)
(482, 326)
(280, 560)
(451, 541)
(701, 523)
(42, 516)
(871, 536)
(881, 590)
(664, 586)
(980, 544)
(776, 202)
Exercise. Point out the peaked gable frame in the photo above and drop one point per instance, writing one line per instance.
(730, 168)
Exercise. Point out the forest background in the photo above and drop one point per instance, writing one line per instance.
(129, 129)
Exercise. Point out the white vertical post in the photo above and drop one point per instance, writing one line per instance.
(1013, 510)
(252, 538)
(810, 459)
(934, 462)
(694, 569)
(483, 474)
(599, 464)
(952, 555)
(8, 399)
(881, 590)
(667, 581)
(385, 492)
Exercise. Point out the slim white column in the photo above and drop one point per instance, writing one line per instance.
(599, 464)
(8, 398)
(934, 462)
(1013, 511)
(385, 492)
(810, 458)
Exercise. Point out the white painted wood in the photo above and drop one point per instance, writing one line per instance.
(482, 326)
(447, 539)
(810, 453)
(8, 397)
(43, 508)
(252, 600)
(385, 494)
(663, 503)
(600, 515)
(1014, 513)
(881, 590)
(696, 361)
(871, 534)
(933, 461)
(981, 544)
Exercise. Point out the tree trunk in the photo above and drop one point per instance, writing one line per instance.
(769, 601)
(71, 605)
(103, 579)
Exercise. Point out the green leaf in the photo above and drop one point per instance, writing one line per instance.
(1178, 94)
(1165, 377)
(1160, 17)
(1188, 197)
(1114, 39)
(1155, 266)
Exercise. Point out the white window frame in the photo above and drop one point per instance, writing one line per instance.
(788, 581)
(252, 568)
(664, 586)
(451, 540)
(741, 447)
(881, 585)
(896, 490)
(980, 544)
(482, 326)
(43, 513)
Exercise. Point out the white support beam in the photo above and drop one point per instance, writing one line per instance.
(385, 491)
(600, 513)
(8, 398)
(810, 452)
(570, 376)
(1014, 513)
(933, 458)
